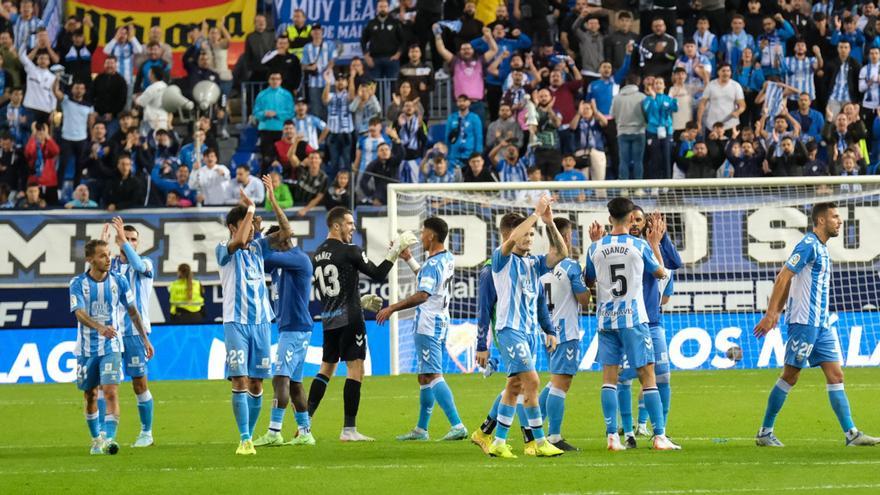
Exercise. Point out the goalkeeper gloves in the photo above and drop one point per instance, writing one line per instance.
(404, 241)
(371, 302)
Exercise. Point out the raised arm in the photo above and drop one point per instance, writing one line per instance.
(558, 249)
(441, 47)
(134, 259)
(240, 238)
(279, 238)
(523, 228)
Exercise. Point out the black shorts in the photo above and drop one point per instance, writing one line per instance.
(346, 343)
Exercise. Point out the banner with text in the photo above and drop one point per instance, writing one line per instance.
(342, 20)
(175, 18)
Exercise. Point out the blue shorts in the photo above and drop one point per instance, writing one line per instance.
(248, 350)
(518, 350)
(98, 370)
(661, 356)
(290, 355)
(429, 354)
(810, 346)
(566, 358)
(635, 343)
(134, 356)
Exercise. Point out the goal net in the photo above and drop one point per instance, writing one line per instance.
(733, 236)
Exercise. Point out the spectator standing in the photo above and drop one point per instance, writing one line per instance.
(505, 128)
(39, 98)
(25, 24)
(79, 115)
(570, 174)
(281, 61)
(789, 162)
(467, 68)
(811, 122)
(13, 169)
(618, 45)
(771, 43)
(210, 179)
(154, 59)
(368, 145)
(411, 131)
(186, 298)
(565, 94)
(658, 51)
(381, 172)
(125, 190)
(658, 108)
(41, 153)
(506, 44)
(477, 171)
(273, 106)
(417, 73)
(532, 16)
(312, 129)
(318, 58)
(290, 143)
(310, 184)
(589, 126)
(155, 116)
(256, 44)
(464, 133)
(734, 42)
(339, 123)
(381, 43)
(155, 35)
(299, 33)
(509, 167)
(10, 59)
(591, 44)
(77, 56)
(364, 107)
(723, 101)
(124, 46)
(544, 128)
(113, 90)
(842, 78)
(800, 70)
(631, 124)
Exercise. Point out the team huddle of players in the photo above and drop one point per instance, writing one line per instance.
(526, 302)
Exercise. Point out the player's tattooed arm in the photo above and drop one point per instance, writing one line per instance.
(558, 249)
(83, 317)
(277, 240)
(139, 325)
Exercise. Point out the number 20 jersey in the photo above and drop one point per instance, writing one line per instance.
(617, 263)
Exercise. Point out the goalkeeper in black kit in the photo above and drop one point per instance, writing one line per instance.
(337, 264)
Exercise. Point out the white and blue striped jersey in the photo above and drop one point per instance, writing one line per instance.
(799, 73)
(808, 297)
(104, 301)
(435, 279)
(517, 280)
(369, 147)
(311, 127)
(869, 86)
(321, 55)
(840, 88)
(245, 298)
(338, 113)
(773, 101)
(617, 263)
(124, 54)
(25, 31)
(561, 287)
(141, 284)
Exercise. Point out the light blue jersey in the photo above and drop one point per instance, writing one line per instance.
(561, 287)
(311, 127)
(106, 302)
(139, 274)
(808, 298)
(516, 282)
(245, 298)
(435, 279)
(617, 263)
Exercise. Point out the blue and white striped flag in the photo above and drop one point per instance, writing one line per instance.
(52, 18)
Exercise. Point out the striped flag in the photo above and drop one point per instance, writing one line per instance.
(52, 18)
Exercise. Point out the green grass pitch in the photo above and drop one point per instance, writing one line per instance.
(44, 443)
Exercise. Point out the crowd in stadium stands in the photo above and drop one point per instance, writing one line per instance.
(543, 90)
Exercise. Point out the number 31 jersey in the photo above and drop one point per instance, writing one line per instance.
(336, 281)
(616, 263)
(435, 279)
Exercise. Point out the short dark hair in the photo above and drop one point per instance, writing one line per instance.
(93, 246)
(562, 224)
(819, 210)
(375, 121)
(619, 208)
(236, 215)
(336, 215)
(438, 226)
(510, 220)
(130, 228)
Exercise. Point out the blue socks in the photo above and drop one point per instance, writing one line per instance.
(254, 404)
(426, 405)
(240, 411)
(840, 404)
(493, 413)
(111, 421)
(92, 423)
(776, 400)
(665, 396)
(643, 413)
(102, 409)
(555, 411)
(655, 409)
(609, 407)
(303, 422)
(535, 422)
(276, 419)
(145, 411)
(542, 400)
(624, 402)
(505, 419)
(444, 397)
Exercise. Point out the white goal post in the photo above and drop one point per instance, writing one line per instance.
(733, 235)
